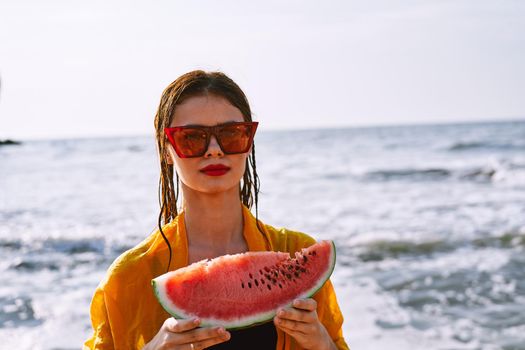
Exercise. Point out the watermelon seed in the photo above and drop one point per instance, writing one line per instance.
(242, 284)
(266, 269)
(249, 285)
(280, 286)
(269, 288)
(260, 272)
(314, 253)
(305, 259)
(295, 273)
(288, 276)
(303, 269)
(251, 276)
(257, 283)
(262, 281)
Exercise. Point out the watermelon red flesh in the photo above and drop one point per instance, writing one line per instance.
(238, 290)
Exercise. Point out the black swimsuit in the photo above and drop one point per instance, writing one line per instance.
(261, 337)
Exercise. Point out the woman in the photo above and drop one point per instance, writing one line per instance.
(204, 132)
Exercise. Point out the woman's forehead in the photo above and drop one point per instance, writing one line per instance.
(205, 110)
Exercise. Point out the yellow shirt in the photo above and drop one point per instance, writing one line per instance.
(125, 313)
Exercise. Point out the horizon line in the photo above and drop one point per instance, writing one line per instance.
(288, 129)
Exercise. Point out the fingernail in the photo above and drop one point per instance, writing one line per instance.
(196, 321)
(280, 313)
(220, 330)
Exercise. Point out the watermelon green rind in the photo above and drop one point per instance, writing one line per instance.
(162, 300)
(244, 322)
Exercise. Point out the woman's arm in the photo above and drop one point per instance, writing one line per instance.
(102, 338)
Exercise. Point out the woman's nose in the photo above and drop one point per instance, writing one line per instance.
(214, 150)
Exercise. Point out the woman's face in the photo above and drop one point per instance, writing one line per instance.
(208, 110)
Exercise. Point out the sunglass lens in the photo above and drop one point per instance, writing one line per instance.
(190, 142)
(235, 138)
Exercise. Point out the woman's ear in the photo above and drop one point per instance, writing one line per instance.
(168, 156)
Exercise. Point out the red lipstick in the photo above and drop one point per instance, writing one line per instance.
(215, 170)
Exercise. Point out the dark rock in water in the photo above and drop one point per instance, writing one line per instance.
(387, 324)
(461, 146)
(15, 245)
(9, 142)
(479, 174)
(30, 266)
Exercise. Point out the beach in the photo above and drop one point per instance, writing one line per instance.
(428, 220)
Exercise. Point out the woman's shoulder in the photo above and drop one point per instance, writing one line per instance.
(139, 262)
(285, 239)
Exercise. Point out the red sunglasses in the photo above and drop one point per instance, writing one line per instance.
(194, 140)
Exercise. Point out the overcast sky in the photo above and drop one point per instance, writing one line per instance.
(87, 68)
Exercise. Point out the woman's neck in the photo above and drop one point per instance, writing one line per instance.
(214, 222)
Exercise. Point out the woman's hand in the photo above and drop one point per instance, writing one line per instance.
(184, 335)
(301, 322)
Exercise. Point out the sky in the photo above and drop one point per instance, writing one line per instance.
(72, 68)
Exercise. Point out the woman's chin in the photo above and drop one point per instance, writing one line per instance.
(214, 187)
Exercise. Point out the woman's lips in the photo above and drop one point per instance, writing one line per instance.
(215, 170)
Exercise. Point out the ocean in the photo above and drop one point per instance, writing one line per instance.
(428, 220)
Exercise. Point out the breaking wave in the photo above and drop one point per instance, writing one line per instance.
(422, 174)
(393, 249)
(432, 174)
(467, 146)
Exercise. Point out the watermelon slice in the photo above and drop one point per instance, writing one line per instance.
(237, 291)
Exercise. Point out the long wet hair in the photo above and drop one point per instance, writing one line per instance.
(192, 84)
